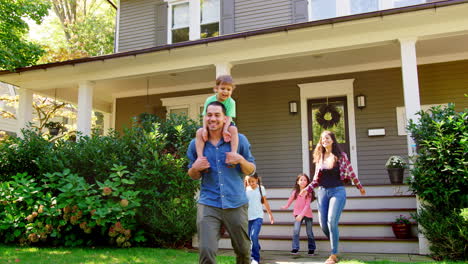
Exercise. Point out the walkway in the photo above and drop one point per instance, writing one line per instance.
(283, 257)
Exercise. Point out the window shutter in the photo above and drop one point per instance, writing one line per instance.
(161, 24)
(227, 17)
(300, 11)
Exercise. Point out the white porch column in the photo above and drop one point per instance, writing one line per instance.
(107, 124)
(85, 107)
(25, 109)
(223, 68)
(409, 69)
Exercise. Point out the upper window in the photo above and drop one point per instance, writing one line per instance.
(194, 19)
(323, 9)
(180, 22)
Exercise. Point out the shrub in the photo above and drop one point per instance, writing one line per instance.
(446, 230)
(20, 155)
(65, 210)
(109, 174)
(440, 178)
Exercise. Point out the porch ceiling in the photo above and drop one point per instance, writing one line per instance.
(352, 46)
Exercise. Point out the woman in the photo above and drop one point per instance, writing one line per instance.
(332, 170)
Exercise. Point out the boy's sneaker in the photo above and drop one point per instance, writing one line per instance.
(294, 252)
(254, 261)
(311, 253)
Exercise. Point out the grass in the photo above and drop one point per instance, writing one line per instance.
(33, 255)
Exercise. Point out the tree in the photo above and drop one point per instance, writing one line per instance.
(45, 109)
(15, 50)
(80, 28)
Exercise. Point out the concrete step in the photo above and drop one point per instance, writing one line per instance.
(352, 215)
(347, 229)
(368, 202)
(371, 190)
(347, 244)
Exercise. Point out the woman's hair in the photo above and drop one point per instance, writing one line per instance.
(259, 183)
(297, 188)
(320, 150)
(225, 79)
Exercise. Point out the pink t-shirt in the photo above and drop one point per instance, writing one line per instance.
(301, 206)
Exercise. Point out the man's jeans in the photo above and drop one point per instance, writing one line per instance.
(297, 232)
(254, 230)
(331, 202)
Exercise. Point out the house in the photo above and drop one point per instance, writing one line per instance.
(7, 125)
(375, 63)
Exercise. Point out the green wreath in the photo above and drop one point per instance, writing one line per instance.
(327, 116)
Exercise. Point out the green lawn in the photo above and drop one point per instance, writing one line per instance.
(32, 255)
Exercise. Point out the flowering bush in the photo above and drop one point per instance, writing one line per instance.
(402, 220)
(395, 162)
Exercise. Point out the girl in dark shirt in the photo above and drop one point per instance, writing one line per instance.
(332, 169)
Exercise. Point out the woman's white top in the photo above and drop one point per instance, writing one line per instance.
(255, 204)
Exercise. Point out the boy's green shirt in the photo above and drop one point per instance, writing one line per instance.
(229, 103)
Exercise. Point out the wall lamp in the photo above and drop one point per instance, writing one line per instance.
(360, 101)
(293, 107)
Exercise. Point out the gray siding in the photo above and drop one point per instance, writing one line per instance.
(137, 25)
(256, 14)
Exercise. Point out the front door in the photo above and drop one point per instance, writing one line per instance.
(327, 114)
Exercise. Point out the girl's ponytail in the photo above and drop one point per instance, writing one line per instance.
(262, 200)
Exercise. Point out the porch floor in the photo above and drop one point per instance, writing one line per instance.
(284, 257)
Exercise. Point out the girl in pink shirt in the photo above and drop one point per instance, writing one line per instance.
(302, 213)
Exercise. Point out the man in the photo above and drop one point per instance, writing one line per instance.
(222, 194)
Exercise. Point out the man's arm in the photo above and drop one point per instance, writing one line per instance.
(199, 165)
(247, 167)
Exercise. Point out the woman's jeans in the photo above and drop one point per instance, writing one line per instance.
(254, 230)
(297, 231)
(331, 202)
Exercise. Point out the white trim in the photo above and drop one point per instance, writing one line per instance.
(320, 90)
(194, 29)
(192, 102)
(343, 8)
(117, 29)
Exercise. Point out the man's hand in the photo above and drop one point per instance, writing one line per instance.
(233, 158)
(201, 164)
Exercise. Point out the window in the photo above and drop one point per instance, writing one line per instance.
(191, 106)
(364, 6)
(179, 111)
(209, 25)
(323, 9)
(180, 23)
(194, 19)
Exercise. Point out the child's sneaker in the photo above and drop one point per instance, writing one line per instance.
(311, 253)
(294, 252)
